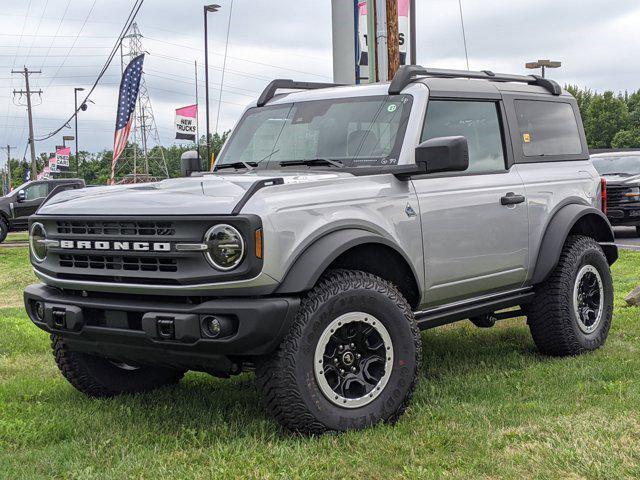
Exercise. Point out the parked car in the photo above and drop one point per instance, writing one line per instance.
(339, 222)
(17, 206)
(621, 170)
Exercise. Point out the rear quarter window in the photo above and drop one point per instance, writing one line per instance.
(547, 128)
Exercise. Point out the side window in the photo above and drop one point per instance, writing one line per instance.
(478, 121)
(38, 190)
(547, 128)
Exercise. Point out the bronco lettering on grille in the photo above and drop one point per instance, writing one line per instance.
(121, 246)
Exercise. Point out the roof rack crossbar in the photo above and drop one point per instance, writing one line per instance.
(407, 73)
(269, 92)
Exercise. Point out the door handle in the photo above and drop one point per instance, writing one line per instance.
(512, 199)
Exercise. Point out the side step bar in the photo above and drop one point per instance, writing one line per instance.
(443, 315)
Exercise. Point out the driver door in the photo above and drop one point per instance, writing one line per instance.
(475, 243)
(35, 193)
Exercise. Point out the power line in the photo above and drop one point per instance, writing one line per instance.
(132, 15)
(13, 63)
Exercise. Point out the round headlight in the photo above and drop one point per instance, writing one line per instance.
(37, 236)
(225, 247)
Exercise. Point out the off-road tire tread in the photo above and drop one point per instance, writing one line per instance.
(71, 364)
(4, 229)
(275, 375)
(550, 315)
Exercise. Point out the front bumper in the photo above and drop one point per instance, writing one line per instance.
(163, 331)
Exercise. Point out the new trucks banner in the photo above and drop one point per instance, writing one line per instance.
(187, 123)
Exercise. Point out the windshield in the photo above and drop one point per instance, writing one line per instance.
(361, 131)
(626, 165)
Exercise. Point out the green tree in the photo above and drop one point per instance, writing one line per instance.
(584, 98)
(626, 139)
(606, 116)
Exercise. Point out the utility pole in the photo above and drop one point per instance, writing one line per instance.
(393, 38)
(412, 32)
(26, 72)
(9, 147)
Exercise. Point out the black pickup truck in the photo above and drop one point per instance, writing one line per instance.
(17, 206)
(621, 170)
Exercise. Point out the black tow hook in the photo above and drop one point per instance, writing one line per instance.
(166, 328)
(58, 317)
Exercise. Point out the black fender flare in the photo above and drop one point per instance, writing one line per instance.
(558, 230)
(314, 260)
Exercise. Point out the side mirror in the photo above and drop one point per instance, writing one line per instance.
(189, 163)
(22, 196)
(443, 154)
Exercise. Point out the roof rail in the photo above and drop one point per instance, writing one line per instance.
(406, 74)
(269, 92)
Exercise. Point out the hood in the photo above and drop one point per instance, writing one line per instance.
(203, 195)
(632, 180)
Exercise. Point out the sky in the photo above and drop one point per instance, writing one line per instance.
(69, 40)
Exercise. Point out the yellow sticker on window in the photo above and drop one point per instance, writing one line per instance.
(526, 137)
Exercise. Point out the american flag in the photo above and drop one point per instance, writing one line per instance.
(129, 87)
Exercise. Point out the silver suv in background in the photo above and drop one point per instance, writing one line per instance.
(621, 171)
(338, 223)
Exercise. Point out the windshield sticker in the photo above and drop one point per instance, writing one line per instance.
(392, 108)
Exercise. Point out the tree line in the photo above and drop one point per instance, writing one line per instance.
(95, 168)
(610, 120)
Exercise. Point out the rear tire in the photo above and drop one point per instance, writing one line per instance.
(101, 377)
(4, 229)
(638, 231)
(572, 310)
(350, 360)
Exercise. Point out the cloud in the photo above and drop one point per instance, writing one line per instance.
(596, 41)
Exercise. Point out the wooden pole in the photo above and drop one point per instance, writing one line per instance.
(393, 39)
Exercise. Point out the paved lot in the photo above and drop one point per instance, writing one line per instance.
(626, 237)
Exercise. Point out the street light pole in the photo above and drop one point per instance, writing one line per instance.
(207, 8)
(75, 96)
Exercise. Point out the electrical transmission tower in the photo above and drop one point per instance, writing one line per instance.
(140, 162)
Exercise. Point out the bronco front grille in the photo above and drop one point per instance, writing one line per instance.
(118, 228)
(112, 262)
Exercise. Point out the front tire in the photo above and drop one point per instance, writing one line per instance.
(4, 229)
(350, 360)
(100, 377)
(572, 310)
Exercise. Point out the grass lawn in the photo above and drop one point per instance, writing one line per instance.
(488, 406)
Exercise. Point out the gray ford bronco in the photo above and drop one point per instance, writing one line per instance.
(338, 223)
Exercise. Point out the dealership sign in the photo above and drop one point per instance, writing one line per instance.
(62, 158)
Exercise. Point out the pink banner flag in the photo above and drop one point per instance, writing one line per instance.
(187, 123)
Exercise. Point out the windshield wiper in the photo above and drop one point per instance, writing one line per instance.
(248, 165)
(620, 174)
(313, 161)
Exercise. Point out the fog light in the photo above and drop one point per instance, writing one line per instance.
(39, 311)
(212, 326)
(217, 326)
